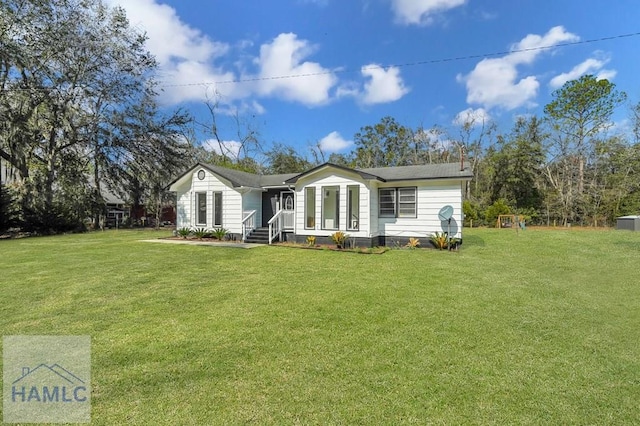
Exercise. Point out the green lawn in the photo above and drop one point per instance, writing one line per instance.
(540, 327)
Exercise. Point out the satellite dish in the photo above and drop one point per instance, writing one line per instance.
(445, 213)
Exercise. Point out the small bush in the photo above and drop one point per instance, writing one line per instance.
(200, 233)
(440, 240)
(339, 238)
(492, 212)
(470, 211)
(219, 233)
(184, 232)
(311, 241)
(413, 243)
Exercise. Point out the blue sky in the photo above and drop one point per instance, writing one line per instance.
(308, 72)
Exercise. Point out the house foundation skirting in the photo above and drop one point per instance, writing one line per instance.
(378, 241)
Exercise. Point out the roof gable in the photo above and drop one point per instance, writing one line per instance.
(363, 174)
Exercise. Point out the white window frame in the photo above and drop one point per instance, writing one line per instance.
(399, 205)
(388, 204)
(309, 195)
(217, 203)
(407, 204)
(336, 224)
(198, 205)
(353, 224)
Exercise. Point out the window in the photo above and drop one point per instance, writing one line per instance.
(353, 207)
(398, 202)
(330, 207)
(387, 202)
(217, 209)
(201, 208)
(310, 207)
(406, 202)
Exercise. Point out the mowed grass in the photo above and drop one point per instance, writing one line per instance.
(540, 327)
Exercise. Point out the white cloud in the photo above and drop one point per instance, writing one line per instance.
(421, 12)
(283, 57)
(476, 117)
(495, 82)
(334, 142)
(185, 55)
(384, 85)
(228, 148)
(589, 66)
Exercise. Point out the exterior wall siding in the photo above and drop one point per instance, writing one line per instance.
(329, 178)
(231, 203)
(431, 197)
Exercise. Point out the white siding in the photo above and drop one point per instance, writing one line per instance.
(431, 197)
(231, 202)
(183, 207)
(331, 177)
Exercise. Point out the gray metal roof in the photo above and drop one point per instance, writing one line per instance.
(239, 178)
(426, 171)
(236, 177)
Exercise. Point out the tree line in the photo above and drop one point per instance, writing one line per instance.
(78, 116)
(568, 166)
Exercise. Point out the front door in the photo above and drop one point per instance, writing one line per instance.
(287, 204)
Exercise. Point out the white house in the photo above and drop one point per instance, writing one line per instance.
(379, 206)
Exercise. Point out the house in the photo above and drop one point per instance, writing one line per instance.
(377, 206)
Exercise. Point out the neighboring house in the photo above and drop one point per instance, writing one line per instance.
(379, 206)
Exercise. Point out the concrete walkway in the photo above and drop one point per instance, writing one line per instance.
(205, 243)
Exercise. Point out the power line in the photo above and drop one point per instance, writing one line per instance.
(402, 65)
(408, 64)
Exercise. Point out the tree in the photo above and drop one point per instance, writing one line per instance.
(284, 159)
(65, 104)
(475, 131)
(430, 146)
(8, 209)
(518, 162)
(382, 145)
(580, 111)
(235, 144)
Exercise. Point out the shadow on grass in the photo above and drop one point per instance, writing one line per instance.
(473, 240)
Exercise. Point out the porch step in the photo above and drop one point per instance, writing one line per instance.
(258, 236)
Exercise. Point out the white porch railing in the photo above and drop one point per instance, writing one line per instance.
(275, 226)
(288, 218)
(248, 223)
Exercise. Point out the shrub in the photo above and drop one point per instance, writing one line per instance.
(220, 233)
(440, 240)
(339, 238)
(413, 243)
(9, 211)
(200, 233)
(184, 232)
(470, 211)
(492, 212)
(311, 241)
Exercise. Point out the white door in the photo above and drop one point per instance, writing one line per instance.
(288, 209)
